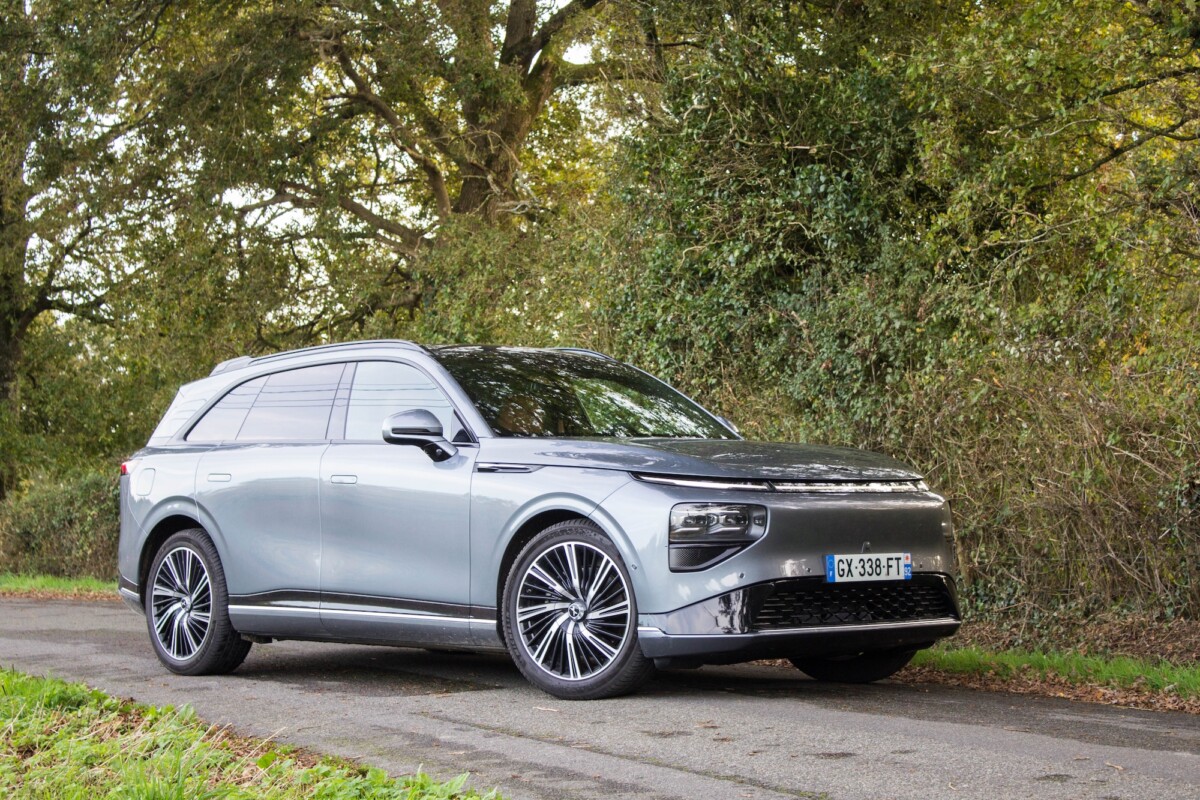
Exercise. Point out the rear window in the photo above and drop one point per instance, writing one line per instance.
(286, 406)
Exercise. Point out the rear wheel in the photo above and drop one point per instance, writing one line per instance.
(187, 608)
(570, 617)
(861, 668)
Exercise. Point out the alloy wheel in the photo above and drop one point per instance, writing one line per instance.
(181, 603)
(573, 611)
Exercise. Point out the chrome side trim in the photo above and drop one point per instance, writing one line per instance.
(345, 613)
(870, 626)
(399, 615)
(239, 609)
(506, 468)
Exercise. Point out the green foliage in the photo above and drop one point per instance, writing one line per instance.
(64, 740)
(957, 234)
(47, 585)
(964, 234)
(1182, 680)
(62, 527)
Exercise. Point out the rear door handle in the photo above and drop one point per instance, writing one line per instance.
(219, 477)
(343, 479)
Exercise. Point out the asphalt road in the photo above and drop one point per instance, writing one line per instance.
(714, 733)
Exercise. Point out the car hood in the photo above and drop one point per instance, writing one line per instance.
(716, 458)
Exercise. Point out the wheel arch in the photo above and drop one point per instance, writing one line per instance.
(521, 537)
(164, 529)
(535, 524)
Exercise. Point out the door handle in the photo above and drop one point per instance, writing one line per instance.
(219, 477)
(347, 479)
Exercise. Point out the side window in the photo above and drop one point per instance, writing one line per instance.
(381, 388)
(224, 420)
(293, 405)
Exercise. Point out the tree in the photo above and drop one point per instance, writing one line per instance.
(961, 232)
(350, 136)
(63, 68)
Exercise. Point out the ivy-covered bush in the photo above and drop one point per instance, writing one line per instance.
(65, 526)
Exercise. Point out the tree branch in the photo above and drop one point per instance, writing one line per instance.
(1169, 132)
(522, 52)
(598, 72)
(522, 17)
(402, 236)
(397, 130)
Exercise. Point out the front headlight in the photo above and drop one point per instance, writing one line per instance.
(703, 534)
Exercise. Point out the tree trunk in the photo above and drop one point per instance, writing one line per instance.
(15, 308)
(488, 184)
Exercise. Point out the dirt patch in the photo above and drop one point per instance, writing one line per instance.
(52, 594)
(1054, 686)
(1146, 637)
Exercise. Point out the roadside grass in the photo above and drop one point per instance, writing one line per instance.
(63, 740)
(52, 587)
(1112, 672)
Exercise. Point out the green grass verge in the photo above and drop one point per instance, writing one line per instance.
(1116, 672)
(61, 740)
(46, 584)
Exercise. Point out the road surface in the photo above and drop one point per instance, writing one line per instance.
(710, 734)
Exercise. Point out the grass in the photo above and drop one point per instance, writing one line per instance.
(63, 740)
(1116, 672)
(48, 586)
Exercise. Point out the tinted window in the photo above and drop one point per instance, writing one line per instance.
(293, 405)
(224, 420)
(381, 388)
(563, 394)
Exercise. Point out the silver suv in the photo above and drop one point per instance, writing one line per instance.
(557, 504)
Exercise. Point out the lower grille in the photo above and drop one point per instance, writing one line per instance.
(809, 602)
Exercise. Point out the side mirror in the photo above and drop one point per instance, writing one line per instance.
(421, 428)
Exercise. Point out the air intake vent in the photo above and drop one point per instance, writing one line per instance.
(809, 602)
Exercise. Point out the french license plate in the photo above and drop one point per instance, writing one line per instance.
(868, 567)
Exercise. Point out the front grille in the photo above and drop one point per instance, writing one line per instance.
(809, 602)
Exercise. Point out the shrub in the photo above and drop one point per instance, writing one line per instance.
(65, 526)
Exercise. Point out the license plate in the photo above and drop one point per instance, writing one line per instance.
(868, 567)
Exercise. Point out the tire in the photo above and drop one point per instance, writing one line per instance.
(187, 608)
(862, 668)
(570, 617)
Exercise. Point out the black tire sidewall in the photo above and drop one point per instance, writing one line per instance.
(209, 657)
(630, 668)
(866, 667)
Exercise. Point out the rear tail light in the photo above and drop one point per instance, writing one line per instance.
(127, 466)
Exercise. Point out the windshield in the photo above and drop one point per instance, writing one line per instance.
(564, 394)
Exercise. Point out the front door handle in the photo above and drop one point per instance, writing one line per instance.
(343, 479)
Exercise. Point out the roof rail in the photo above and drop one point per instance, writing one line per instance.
(231, 363)
(352, 345)
(243, 361)
(584, 351)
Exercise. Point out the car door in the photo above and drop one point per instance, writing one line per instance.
(259, 489)
(395, 536)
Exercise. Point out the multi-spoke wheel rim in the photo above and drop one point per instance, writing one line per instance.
(573, 611)
(181, 603)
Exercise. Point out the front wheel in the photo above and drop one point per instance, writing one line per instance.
(570, 617)
(187, 608)
(862, 668)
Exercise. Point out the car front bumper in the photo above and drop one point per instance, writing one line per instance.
(804, 617)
